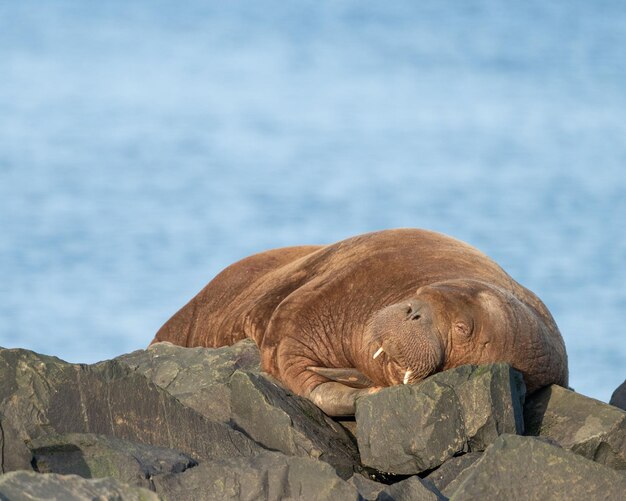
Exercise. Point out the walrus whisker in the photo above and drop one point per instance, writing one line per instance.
(407, 374)
(378, 352)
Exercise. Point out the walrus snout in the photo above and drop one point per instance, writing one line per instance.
(404, 343)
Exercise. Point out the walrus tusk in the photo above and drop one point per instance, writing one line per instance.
(378, 352)
(407, 374)
(349, 376)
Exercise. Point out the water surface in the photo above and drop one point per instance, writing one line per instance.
(146, 145)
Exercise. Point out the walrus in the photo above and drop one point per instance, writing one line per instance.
(335, 322)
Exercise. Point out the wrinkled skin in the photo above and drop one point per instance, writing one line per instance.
(320, 315)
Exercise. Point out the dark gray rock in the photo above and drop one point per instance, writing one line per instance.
(618, 399)
(409, 429)
(409, 489)
(26, 486)
(453, 486)
(368, 489)
(516, 467)
(14, 454)
(586, 426)
(43, 395)
(28, 382)
(492, 401)
(268, 476)
(451, 469)
(282, 421)
(99, 456)
(198, 377)
(257, 404)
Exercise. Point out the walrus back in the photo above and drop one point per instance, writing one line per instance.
(209, 318)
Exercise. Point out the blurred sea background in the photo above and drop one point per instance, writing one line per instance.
(147, 144)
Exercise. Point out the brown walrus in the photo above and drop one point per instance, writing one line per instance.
(334, 322)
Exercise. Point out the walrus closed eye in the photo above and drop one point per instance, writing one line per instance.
(339, 321)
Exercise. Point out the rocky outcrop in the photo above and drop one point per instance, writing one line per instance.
(225, 384)
(588, 427)
(451, 469)
(268, 476)
(43, 395)
(99, 456)
(409, 489)
(281, 421)
(516, 467)
(198, 423)
(23, 485)
(409, 429)
(14, 454)
(198, 377)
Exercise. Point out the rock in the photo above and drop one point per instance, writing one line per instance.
(492, 401)
(268, 476)
(451, 469)
(23, 486)
(516, 467)
(15, 455)
(196, 423)
(28, 383)
(409, 429)
(453, 486)
(262, 408)
(409, 489)
(406, 430)
(618, 399)
(368, 489)
(588, 427)
(279, 420)
(43, 395)
(99, 456)
(198, 377)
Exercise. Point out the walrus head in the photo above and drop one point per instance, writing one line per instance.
(453, 323)
(444, 325)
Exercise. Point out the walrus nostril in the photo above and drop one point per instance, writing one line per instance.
(412, 313)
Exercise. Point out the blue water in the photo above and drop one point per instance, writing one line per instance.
(145, 145)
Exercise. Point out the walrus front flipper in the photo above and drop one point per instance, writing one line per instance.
(348, 375)
(337, 399)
